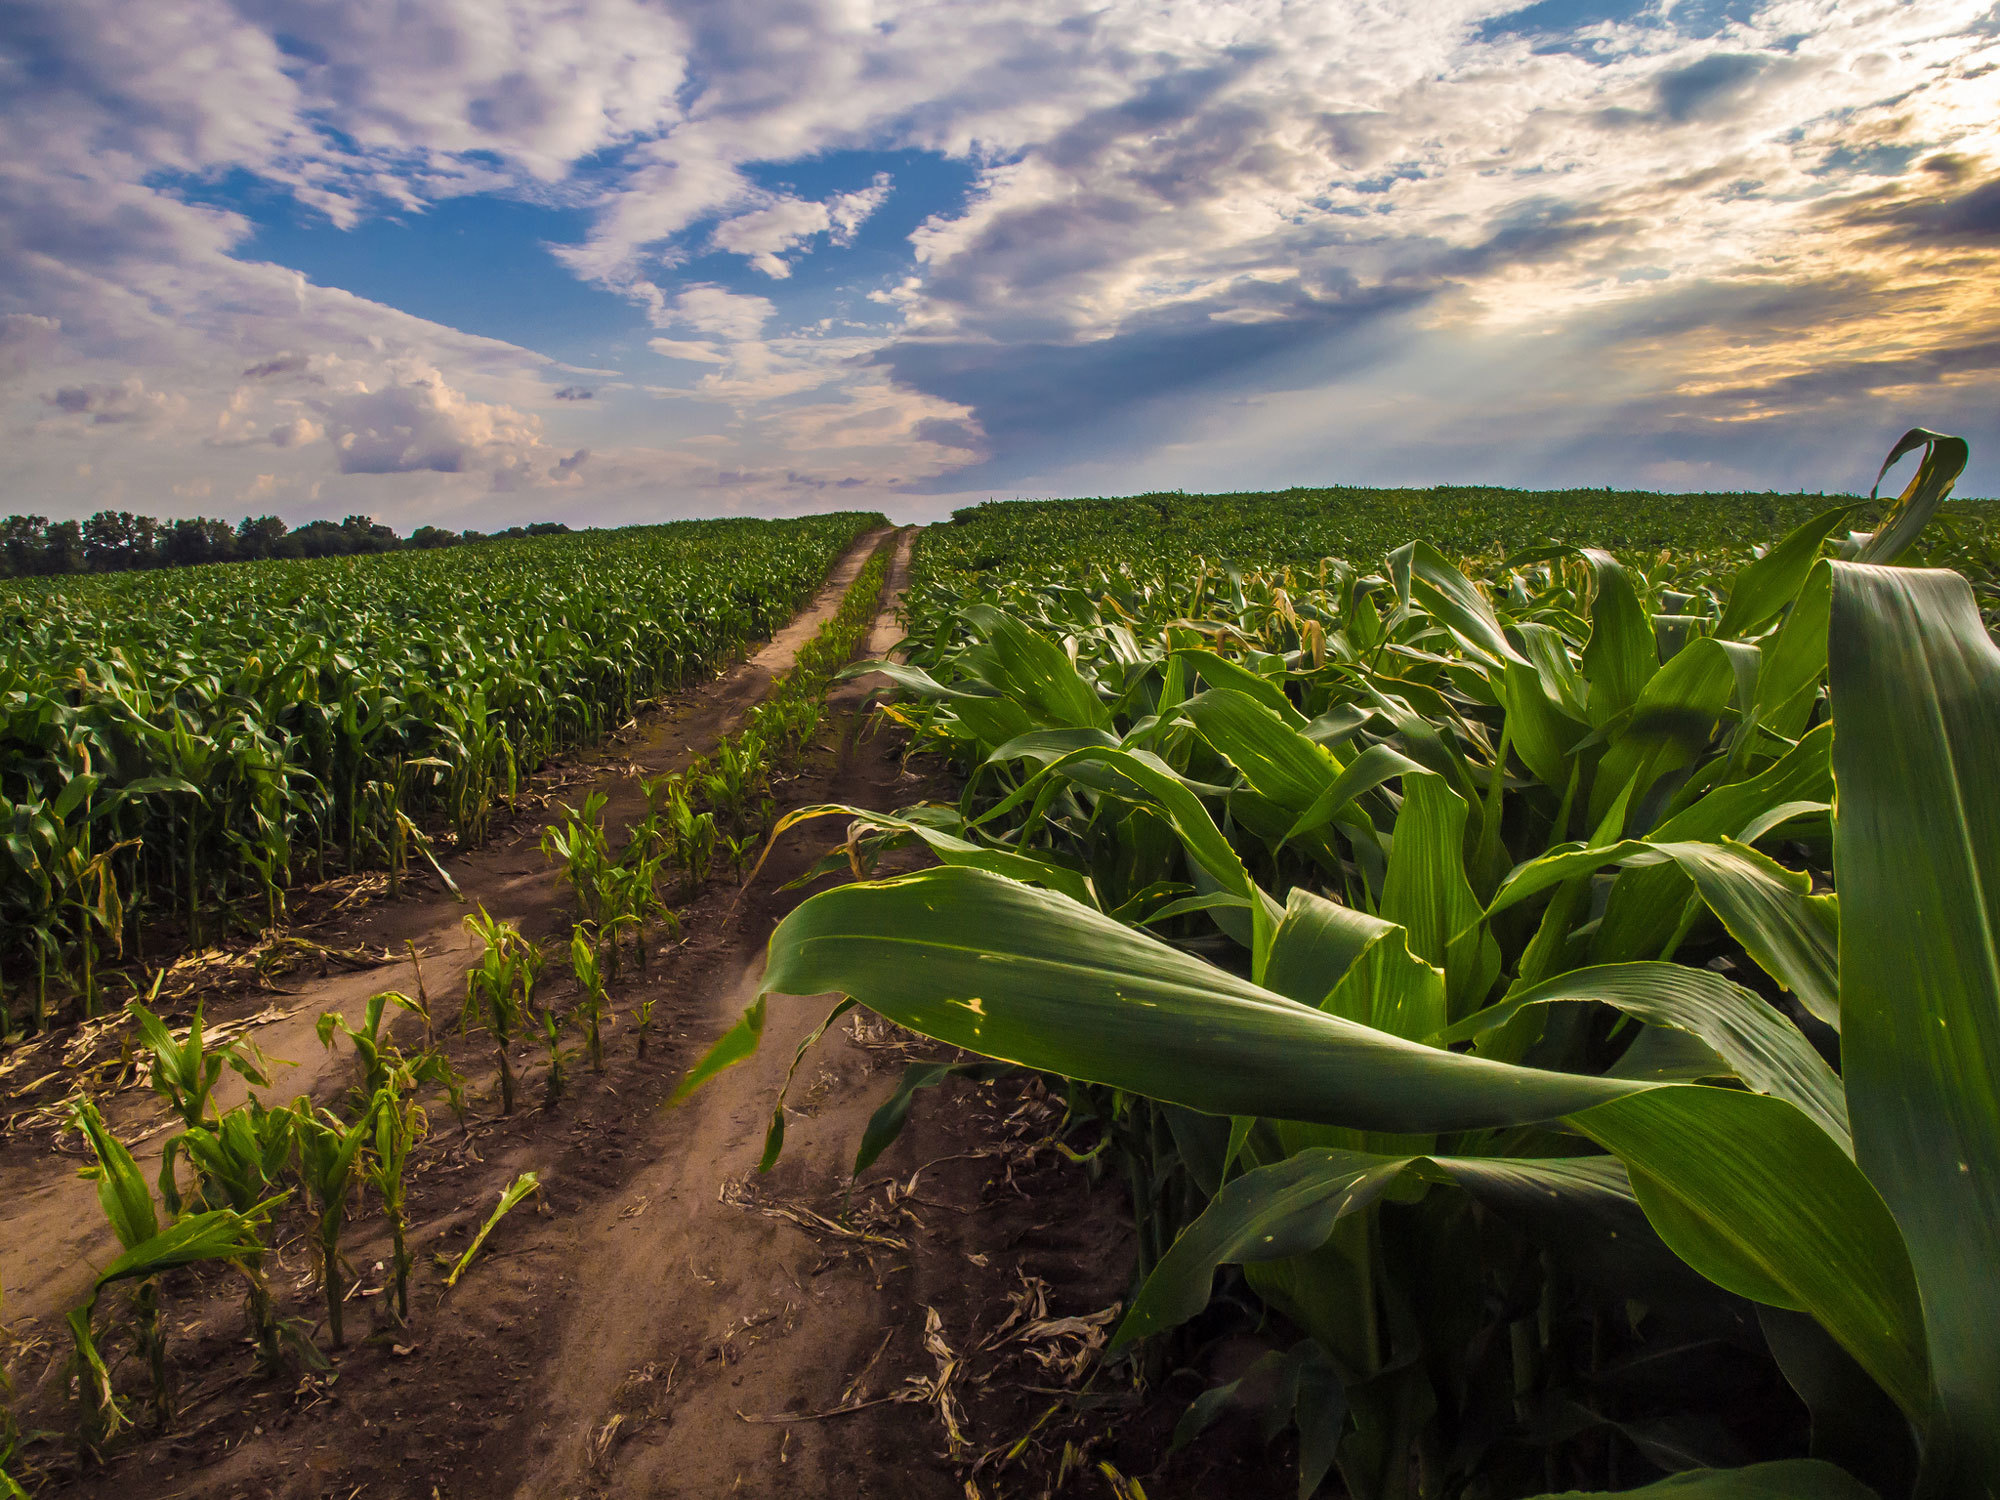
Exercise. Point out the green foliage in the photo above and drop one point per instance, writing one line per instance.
(148, 1250)
(510, 1197)
(500, 989)
(1466, 959)
(329, 1153)
(178, 742)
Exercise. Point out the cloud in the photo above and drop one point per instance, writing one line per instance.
(1711, 88)
(283, 364)
(418, 422)
(1675, 214)
(720, 313)
(128, 401)
(785, 223)
(26, 339)
(575, 393)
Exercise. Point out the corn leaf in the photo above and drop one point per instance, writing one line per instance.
(1916, 702)
(1786, 1479)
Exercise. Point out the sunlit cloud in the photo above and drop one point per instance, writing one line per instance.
(1185, 243)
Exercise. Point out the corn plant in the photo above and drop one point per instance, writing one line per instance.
(500, 989)
(551, 1025)
(510, 1197)
(239, 1163)
(1396, 907)
(183, 741)
(590, 980)
(642, 1020)
(185, 1072)
(378, 1061)
(148, 1251)
(579, 842)
(400, 1123)
(328, 1153)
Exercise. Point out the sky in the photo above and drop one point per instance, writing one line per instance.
(478, 262)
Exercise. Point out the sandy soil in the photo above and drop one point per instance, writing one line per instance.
(663, 1321)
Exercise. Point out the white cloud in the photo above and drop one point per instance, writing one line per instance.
(1146, 176)
(416, 421)
(722, 314)
(785, 223)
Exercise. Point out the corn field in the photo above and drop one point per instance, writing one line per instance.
(1554, 986)
(236, 1185)
(177, 748)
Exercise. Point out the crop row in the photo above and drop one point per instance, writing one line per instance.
(1466, 964)
(172, 744)
(230, 1177)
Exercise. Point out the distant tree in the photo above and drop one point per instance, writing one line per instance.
(319, 539)
(115, 540)
(364, 534)
(62, 548)
(263, 536)
(23, 544)
(196, 539)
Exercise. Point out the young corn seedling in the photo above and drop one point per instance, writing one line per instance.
(740, 852)
(380, 1062)
(240, 1164)
(185, 1072)
(148, 1251)
(329, 1152)
(585, 853)
(519, 1188)
(551, 1025)
(590, 980)
(500, 988)
(644, 1020)
(632, 902)
(399, 1124)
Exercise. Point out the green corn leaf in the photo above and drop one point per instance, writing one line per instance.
(1747, 1189)
(519, 1188)
(1222, 673)
(1760, 1046)
(1916, 704)
(1427, 893)
(951, 849)
(127, 1201)
(1620, 656)
(1944, 460)
(886, 1123)
(1761, 591)
(1270, 1213)
(1030, 976)
(1757, 1197)
(1032, 670)
(1786, 1479)
(1370, 769)
(1291, 1207)
(1765, 907)
(1452, 598)
(774, 1133)
(1671, 723)
(1279, 762)
(735, 1044)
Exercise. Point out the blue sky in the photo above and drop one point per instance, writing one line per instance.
(471, 262)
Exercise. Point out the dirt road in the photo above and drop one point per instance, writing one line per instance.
(664, 1322)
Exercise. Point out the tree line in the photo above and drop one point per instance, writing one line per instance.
(115, 541)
